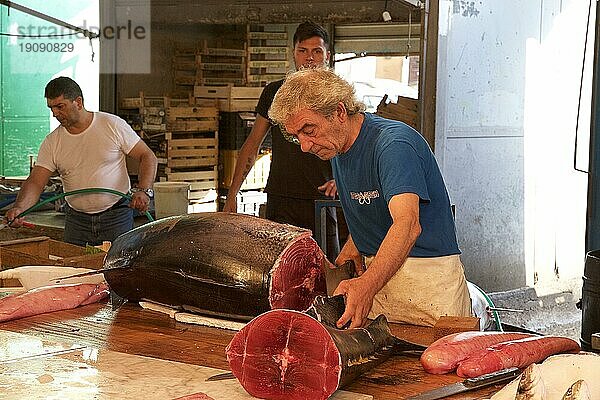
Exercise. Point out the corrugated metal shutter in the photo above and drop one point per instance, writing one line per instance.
(373, 39)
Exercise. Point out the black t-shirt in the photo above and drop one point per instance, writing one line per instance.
(293, 173)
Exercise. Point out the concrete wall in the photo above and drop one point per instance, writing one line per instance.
(508, 83)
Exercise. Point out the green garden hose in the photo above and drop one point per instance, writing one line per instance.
(78, 191)
(491, 305)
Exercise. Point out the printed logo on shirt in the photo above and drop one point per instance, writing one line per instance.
(364, 197)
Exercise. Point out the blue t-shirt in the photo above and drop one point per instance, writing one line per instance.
(390, 158)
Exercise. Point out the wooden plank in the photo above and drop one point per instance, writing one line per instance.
(205, 185)
(212, 92)
(220, 66)
(238, 105)
(63, 249)
(174, 153)
(154, 127)
(219, 81)
(264, 77)
(92, 261)
(203, 142)
(192, 112)
(268, 50)
(36, 246)
(238, 92)
(268, 64)
(191, 125)
(189, 163)
(267, 35)
(131, 102)
(12, 258)
(224, 52)
(203, 195)
(187, 65)
(192, 176)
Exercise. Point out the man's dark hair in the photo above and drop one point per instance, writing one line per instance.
(64, 86)
(309, 29)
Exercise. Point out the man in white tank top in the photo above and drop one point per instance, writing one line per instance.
(88, 150)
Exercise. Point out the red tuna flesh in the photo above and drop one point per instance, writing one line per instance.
(50, 298)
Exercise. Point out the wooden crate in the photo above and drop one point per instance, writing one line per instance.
(192, 118)
(186, 151)
(42, 250)
(203, 184)
(268, 54)
(257, 176)
(219, 64)
(230, 98)
(405, 110)
(129, 103)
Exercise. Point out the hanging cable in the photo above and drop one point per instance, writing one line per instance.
(409, 32)
(587, 29)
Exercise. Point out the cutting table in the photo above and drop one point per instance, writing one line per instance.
(159, 343)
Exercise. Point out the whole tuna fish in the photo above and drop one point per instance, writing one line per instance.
(224, 264)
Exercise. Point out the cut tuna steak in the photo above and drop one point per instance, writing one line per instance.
(285, 354)
(223, 264)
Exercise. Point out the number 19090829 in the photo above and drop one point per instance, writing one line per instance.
(46, 47)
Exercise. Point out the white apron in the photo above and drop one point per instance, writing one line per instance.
(423, 290)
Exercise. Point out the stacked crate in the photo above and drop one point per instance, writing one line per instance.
(228, 98)
(267, 59)
(184, 70)
(192, 152)
(220, 65)
(147, 116)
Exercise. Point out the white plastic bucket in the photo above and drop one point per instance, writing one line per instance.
(171, 198)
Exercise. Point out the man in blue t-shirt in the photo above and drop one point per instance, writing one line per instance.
(394, 199)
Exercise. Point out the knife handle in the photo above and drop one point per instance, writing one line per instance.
(493, 377)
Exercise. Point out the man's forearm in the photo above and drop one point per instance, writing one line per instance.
(147, 171)
(392, 253)
(245, 162)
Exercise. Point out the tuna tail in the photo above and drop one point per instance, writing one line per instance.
(116, 301)
(327, 310)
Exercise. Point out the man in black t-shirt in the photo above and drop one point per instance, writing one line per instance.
(296, 179)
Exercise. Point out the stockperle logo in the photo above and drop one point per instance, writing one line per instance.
(120, 44)
(364, 197)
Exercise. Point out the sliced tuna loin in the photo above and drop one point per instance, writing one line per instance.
(445, 354)
(223, 264)
(515, 353)
(50, 298)
(284, 354)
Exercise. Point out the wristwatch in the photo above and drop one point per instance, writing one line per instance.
(149, 192)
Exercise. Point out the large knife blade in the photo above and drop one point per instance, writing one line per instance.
(468, 384)
(221, 377)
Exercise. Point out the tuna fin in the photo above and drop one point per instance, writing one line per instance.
(333, 276)
(327, 310)
(380, 328)
(116, 301)
(404, 348)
